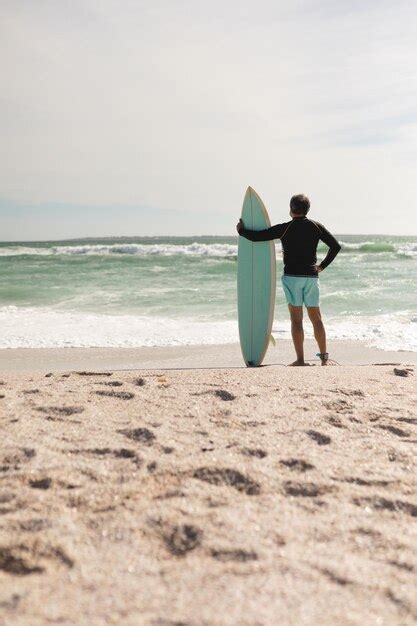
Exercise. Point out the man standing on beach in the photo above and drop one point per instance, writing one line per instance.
(299, 239)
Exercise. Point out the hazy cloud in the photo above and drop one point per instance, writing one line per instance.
(179, 105)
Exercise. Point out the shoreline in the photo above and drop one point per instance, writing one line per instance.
(215, 356)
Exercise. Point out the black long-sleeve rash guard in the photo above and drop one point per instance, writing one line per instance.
(299, 240)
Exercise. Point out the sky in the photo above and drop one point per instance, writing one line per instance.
(151, 117)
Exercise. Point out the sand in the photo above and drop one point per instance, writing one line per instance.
(183, 357)
(209, 497)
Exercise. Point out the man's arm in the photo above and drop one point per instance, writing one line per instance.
(274, 232)
(334, 247)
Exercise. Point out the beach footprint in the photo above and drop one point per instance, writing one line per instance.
(23, 559)
(118, 453)
(305, 490)
(40, 483)
(236, 555)
(94, 373)
(255, 452)
(399, 432)
(179, 539)
(110, 383)
(120, 395)
(142, 435)
(298, 465)
(60, 413)
(384, 504)
(228, 477)
(224, 395)
(12, 458)
(319, 438)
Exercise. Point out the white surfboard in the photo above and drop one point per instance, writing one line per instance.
(256, 283)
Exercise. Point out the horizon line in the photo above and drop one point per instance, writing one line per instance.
(87, 238)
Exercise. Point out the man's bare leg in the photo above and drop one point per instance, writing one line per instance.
(297, 332)
(319, 331)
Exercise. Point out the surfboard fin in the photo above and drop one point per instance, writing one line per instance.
(272, 340)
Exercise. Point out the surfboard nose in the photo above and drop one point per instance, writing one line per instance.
(250, 192)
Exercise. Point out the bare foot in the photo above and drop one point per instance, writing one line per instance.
(298, 364)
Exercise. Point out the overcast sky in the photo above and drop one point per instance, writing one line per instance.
(130, 117)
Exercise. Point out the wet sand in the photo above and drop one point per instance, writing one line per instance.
(209, 497)
(183, 357)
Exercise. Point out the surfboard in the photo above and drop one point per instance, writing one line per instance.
(256, 283)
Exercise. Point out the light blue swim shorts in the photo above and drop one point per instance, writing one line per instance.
(301, 290)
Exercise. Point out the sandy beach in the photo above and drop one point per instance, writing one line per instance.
(180, 179)
(208, 493)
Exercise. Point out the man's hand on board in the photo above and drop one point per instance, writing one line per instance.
(240, 226)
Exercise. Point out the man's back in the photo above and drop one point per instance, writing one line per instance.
(299, 238)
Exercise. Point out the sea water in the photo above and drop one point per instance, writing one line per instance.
(164, 291)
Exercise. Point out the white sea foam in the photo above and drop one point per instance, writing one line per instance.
(48, 328)
(386, 332)
(194, 249)
(408, 249)
(132, 249)
(24, 250)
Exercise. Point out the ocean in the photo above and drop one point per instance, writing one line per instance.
(167, 291)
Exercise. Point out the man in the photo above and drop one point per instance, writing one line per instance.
(299, 240)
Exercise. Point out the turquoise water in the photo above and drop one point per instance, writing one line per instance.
(163, 291)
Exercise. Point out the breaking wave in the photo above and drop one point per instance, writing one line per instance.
(195, 249)
(132, 249)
